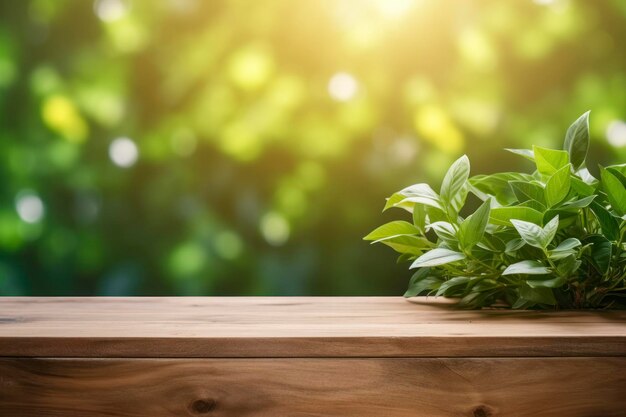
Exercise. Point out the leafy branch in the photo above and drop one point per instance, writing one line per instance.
(550, 239)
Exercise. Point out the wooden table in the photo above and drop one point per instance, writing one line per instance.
(305, 356)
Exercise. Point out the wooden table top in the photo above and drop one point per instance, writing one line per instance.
(218, 327)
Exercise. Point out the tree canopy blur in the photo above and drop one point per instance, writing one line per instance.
(245, 147)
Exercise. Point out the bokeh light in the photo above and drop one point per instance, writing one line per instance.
(228, 245)
(29, 206)
(616, 133)
(123, 152)
(251, 67)
(61, 115)
(110, 10)
(274, 228)
(343, 86)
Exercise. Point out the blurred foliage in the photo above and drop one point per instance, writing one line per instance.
(243, 147)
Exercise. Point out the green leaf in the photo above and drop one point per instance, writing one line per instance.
(419, 217)
(491, 243)
(473, 227)
(486, 284)
(565, 249)
(502, 216)
(577, 204)
(535, 205)
(405, 257)
(412, 245)
(566, 218)
(586, 176)
(617, 173)
(497, 185)
(535, 235)
(577, 141)
(549, 230)
(526, 153)
(438, 256)
(530, 232)
(417, 193)
(557, 187)
(396, 201)
(556, 255)
(555, 282)
(568, 266)
(538, 295)
(421, 189)
(615, 191)
(549, 161)
(476, 299)
(391, 229)
(621, 168)
(435, 215)
(421, 281)
(451, 283)
(454, 187)
(514, 245)
(601, 251)
(420, 200)
(525, 191)
(608, 223)
(526, 268)
(567, 244)
(445, 231)
(582, 188)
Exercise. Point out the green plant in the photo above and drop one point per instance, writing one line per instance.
(550, 239)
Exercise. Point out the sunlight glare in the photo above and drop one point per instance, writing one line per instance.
(343, 86)
(393, 9)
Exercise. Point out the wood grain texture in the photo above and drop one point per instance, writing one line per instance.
(418, 387)
(213, 327)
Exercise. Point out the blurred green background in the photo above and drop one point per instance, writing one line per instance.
(211, 147)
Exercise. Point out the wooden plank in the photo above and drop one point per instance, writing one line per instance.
(295, 327)
(520, 387)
